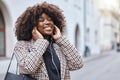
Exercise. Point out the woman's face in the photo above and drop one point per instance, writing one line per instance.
(45, 25)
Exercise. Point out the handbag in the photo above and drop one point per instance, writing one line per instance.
(13, 76)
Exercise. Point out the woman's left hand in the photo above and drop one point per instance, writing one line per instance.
(57, 33)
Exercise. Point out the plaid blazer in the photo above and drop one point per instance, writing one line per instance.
(30, 59)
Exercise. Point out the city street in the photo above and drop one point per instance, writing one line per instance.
(92, 26)
(103, 67)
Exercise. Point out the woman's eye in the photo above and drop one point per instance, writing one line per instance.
(41, 19)
(49, 19)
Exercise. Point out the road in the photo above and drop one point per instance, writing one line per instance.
(103, 67)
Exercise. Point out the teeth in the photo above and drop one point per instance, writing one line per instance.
(47, 28)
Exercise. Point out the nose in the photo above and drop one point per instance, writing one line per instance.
(46, 21)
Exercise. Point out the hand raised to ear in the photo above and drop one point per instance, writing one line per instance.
(36, 34)
(57, 33)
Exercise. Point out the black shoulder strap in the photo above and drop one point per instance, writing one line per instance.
(10, 62)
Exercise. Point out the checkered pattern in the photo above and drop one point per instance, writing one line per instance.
(30, 59)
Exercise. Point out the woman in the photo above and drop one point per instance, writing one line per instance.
(42, 50)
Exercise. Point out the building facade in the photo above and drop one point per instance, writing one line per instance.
(91, 27)
(82, 25)
(10, 11)
(109, 30)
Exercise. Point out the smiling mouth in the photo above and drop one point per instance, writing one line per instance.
(47, 28)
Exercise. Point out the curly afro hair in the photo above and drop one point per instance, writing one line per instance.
(29, 19)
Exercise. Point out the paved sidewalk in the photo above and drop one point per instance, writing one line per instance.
(97, 56)
(99, 67)
(2, 76)
(4, 64)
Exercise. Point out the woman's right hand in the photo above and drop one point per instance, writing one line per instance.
(36, 34)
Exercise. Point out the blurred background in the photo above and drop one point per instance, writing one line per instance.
(93, 26)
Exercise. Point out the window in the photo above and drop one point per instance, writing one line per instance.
(2, 35)
(96, 37)
(77, 37)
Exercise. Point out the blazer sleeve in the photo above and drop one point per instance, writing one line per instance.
(74, 60)
(30, 60)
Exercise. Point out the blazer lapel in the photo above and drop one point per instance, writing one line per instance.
(62, 60)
